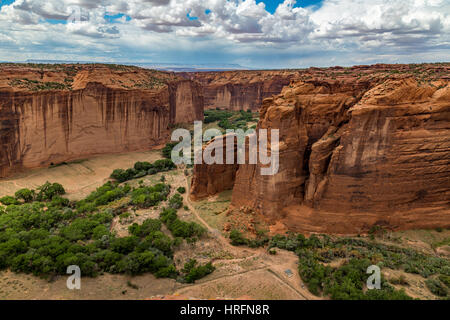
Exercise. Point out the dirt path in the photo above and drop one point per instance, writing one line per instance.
(275, 266)
(214, 232)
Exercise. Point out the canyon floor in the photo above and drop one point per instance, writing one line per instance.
(263, 274)
(241, 272)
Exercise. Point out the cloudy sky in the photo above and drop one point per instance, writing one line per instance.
(252, 33)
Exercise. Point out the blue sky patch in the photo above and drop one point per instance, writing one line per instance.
(5, 2)
(55, 21)
(272, 5)
(111, 18)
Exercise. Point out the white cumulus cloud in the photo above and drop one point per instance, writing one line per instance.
(338, 31)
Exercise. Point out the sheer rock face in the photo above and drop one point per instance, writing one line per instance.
(39, 126)
(395, 152)
(354, 152)
(240, 90)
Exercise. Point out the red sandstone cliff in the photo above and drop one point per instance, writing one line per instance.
(358, 147)
(50, 114)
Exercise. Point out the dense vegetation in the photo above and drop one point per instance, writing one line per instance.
(347, 281)
(179, 228)
(230, 119)
(238, 239)
(142, 169)
(43, 233)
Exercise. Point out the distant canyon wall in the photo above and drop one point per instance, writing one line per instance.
(240, 90)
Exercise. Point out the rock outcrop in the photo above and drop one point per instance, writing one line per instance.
(365, 147)
(212, 179)
(51, 114)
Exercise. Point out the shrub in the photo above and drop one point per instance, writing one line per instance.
(99, 231)
(79, 229)
(102, 196)
(164, 165)
(180, 228)
(186, 229)
(83, 206)
(48, 190)
(147, 200)
(124, 245)
(145, 197)
(158, 240)
(120, 175)
(146, 228)
(181, 190)
(176, 201)
(168, 215)
(58, 201)
(216, 115)
(167, 272)
(256, 243)
(26, 195)
(143, 166)
(192, 272)
(8, 200)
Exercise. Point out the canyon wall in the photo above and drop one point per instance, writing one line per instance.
(355, 150)
(104, 111)
(240, 90)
